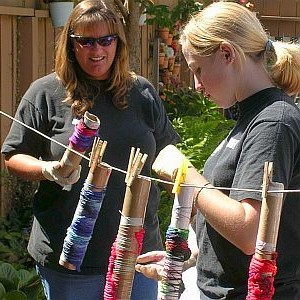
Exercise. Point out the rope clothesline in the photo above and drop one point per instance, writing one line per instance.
(142, 176)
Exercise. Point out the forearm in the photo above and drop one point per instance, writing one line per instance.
(236, 221)
(231, 218)
(24, 166)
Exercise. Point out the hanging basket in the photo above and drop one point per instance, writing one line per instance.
(60, 12)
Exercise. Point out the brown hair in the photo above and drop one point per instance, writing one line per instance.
(81, 90)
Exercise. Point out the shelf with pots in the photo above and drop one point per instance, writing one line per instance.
(169, 58)
(167, 51)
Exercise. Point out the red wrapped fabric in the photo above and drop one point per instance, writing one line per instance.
(261, 278)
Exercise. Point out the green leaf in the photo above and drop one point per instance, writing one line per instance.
(30, 283)
(15, 295)
(2, 290)
(8, 284)
(8, 272)
(28, 279)
(4, 249)
(24, 277)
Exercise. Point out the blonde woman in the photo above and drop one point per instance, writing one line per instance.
(235, 62)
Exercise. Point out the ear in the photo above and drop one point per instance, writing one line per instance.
(227, 51)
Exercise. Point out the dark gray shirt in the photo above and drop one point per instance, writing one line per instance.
(268, 130)
(144, 124)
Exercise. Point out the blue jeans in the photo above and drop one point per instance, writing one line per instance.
(62, 286)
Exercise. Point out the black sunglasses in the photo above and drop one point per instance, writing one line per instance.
(89, 42)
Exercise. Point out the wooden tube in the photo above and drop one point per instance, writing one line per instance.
(98, 178)
(269, 216)
(269, 222)
(132, 220)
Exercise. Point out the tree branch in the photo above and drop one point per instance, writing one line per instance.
(122, 8)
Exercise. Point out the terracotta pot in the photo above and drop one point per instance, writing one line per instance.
(163, 33)
(165, 77)
(161, 59)
(171, 63)
(169, 40)
(175, 45)
(166, 63)
(176, 69)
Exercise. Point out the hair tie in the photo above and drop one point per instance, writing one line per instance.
(269, 45)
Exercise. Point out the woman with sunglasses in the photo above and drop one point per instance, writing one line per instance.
(91, 74)
(235, 62)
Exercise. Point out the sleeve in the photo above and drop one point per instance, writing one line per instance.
(163, 130)
(22, 139)
(266, 142)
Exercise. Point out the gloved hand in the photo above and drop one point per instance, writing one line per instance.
(167, 162)
(50, 170)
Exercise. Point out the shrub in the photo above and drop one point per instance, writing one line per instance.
(200, 137)
(19, 284)
(15, 227)
(185, 101)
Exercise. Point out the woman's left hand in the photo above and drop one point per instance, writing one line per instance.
(151, 264)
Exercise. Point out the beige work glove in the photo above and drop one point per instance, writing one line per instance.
(50, 170)
(167, 162)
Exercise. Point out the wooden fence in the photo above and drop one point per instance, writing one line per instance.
(280, 17)
(26, 52)
(27, 41)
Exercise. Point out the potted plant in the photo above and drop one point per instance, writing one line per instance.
(60, 11)
(159, 15)
(184, 9)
